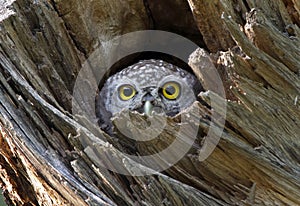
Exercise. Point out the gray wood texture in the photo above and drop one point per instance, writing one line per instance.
(253, 44)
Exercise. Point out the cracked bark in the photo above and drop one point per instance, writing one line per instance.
(255, 48)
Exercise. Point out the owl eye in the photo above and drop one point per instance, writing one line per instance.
(126, 92)
(171, 90)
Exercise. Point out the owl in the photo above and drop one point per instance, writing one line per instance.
(148, 87)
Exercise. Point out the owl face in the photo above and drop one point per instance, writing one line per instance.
(148, 86)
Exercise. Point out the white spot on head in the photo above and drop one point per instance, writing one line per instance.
(150, 70)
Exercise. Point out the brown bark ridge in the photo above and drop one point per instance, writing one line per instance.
(255, 48)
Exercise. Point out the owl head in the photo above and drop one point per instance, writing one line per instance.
(149, 86)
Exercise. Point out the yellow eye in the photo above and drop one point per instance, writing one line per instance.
(171, 90)
(126, 92)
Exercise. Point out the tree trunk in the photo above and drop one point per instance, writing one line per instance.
(254, 46)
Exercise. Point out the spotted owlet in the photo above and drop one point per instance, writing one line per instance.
(147, 86)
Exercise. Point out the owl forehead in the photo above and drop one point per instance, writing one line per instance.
(149, 72)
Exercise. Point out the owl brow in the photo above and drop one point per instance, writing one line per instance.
(148, 88)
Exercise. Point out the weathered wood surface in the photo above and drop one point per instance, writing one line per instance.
(255, 47)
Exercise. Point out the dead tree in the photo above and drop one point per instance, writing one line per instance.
(255, 48)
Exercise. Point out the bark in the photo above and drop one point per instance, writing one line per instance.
(255, 48)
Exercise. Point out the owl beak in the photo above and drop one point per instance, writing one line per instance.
(148, 108)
